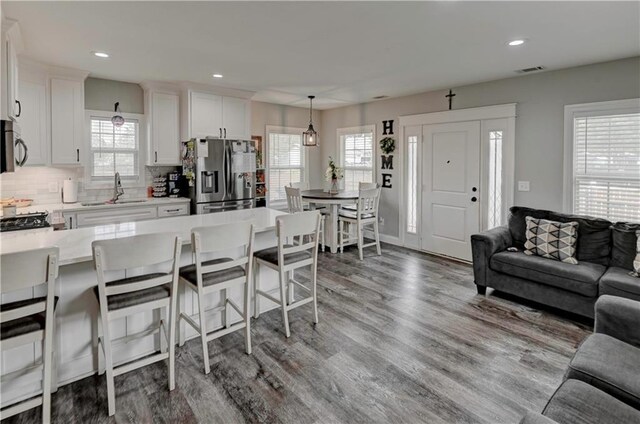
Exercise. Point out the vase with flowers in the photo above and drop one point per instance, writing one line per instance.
(333, 173)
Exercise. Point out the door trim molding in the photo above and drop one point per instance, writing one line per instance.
(485, 113)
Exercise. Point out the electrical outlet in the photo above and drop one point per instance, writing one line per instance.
(381, 221)
(53, 187)
(523, 185)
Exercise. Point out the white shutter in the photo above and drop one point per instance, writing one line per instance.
(607, 166)
(286, 164)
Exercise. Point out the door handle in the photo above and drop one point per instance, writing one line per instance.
(19, 109)
(156, 156)
(225, 133)
(77, 155)
(26, 152)
(220, 129)
(474, 199)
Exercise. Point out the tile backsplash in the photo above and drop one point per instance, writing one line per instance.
(33, 183)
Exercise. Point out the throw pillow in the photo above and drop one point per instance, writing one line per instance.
(551, 239)
(636, 261)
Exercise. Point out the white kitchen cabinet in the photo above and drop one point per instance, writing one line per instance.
(33, 122)
(115, 216)
(164, 138)
(70, 220)
(10, 39)
(211, 115)
(67, 121)
(173, 210)
(205, 115)
(235, 118)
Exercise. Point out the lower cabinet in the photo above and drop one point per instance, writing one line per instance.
(82, 219)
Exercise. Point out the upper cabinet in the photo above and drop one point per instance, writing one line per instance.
(11, 106)
(33, 122)
(235, 118)
(212, 115)
(163, 109)
(206, 115)
(67, 121)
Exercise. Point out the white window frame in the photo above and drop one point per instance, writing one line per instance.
(571, 112)
(94, 183)
(272, 129)
(341, 132)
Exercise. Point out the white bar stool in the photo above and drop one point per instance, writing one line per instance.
(295, 205)
(366, 214)
(361, 186)
(219, 275)
(130, 295)
(297, 247)
(30, 320)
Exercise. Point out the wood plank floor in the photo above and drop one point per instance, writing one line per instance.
(402, 338)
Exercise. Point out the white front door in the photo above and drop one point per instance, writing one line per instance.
(451, 183)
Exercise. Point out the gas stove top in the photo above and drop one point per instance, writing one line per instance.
(27, 221)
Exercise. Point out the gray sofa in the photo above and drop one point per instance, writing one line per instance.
(602, 384)
(605, 253)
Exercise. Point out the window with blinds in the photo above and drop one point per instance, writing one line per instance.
(606, 165)
(357, 158)
(286, 163)
(114, 149)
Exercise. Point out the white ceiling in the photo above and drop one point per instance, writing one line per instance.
(344, 53)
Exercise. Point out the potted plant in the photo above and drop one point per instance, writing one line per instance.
(333, 173)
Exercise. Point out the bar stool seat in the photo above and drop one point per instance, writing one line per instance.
(271, 255)
(24, 325)
(190, 273)
(354, 215)
(125, 300)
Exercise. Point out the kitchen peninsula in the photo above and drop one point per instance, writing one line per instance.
(77, 308)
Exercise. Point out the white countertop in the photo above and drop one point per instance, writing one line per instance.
(75, 207)
(75, 245)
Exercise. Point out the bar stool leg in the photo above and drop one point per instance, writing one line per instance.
(203, 334)
(256, 297)
(322, 219)
(290, 286)
(182, 288)
(341, 236)
(283, 301)
(173, 318)
(106, 342)
(47, 357)
(360, 241)
(377, 234)
(226, 321)
(247, 317)
(314, 280)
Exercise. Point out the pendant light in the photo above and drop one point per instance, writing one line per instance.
(310, 136)
(117, 120)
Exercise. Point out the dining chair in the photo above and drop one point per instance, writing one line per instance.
(361, 186)
(219, 275)
(365, 214)
(297, 248)
(125, 296)
(295, 204)
(30, 320)
(302, 185)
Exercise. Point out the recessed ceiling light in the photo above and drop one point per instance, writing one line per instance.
(101, 54)
(217, 75)
(516, 42)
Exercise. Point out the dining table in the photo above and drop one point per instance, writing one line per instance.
(332, 202)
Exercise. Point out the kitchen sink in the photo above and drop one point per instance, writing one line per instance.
(120, 202)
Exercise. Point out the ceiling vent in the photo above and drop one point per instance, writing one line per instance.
(380, 97)
(528, 70)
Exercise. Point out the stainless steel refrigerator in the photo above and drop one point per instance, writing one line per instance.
(224, 175)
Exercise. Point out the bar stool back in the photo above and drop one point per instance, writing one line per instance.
(31, 320)
(219, 275)
(361, 186)
(295, 204)
(130, 295)
(366, 214)
(297, 247)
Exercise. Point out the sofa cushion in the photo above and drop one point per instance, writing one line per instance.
(551, 239)
(577, 402)
(609, 364)
(617, 282)
(517, 224)
(594, 237)
(581, 278)
(623, 249)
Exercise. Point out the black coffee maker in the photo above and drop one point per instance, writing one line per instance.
(177, 185)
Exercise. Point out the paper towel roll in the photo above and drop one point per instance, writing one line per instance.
(69, 191)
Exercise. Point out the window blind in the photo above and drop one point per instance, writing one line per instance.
(607, 166)
(113, 149)
(286, 164)
(357, 159)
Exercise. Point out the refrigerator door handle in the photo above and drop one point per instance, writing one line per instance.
(225, 174)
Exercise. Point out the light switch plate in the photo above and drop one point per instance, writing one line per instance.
(523, 185)
(53, 187)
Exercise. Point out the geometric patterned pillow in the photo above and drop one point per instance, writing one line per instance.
(551, 239)
(636, 261)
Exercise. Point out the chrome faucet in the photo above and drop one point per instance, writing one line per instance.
(117, 188)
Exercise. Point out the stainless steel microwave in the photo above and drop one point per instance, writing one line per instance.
(13, 150)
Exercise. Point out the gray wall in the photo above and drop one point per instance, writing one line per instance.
(102, 94)
(539, 126)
